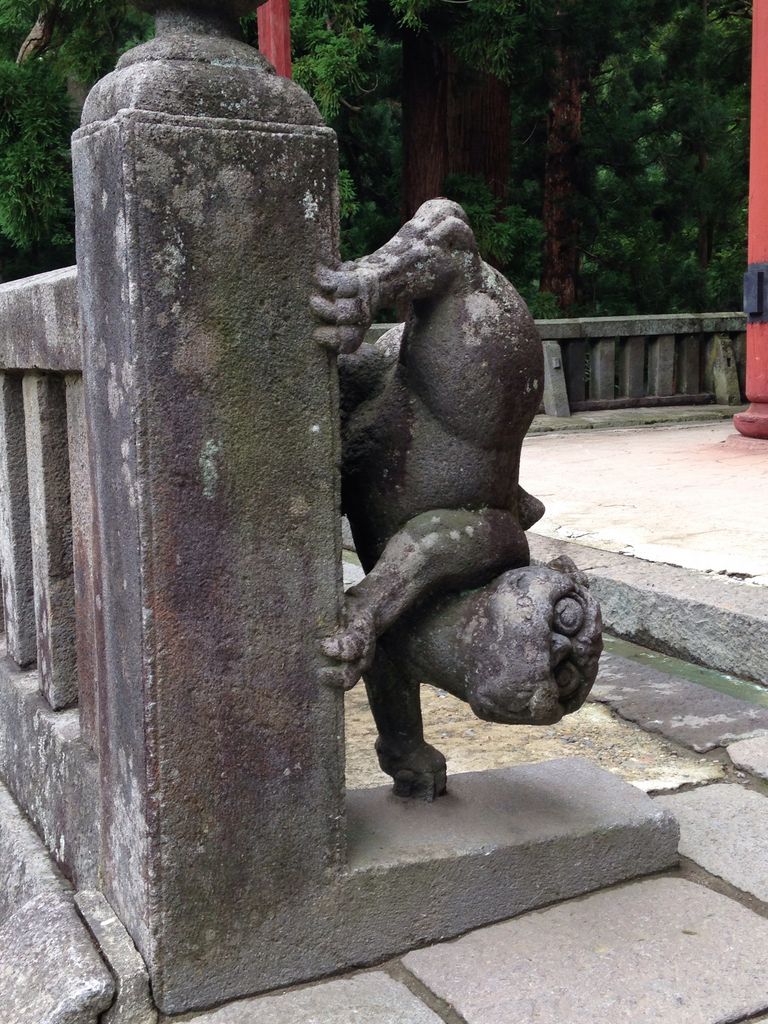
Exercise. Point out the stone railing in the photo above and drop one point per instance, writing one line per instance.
(627, 362)
(48, 727)
(45, 508)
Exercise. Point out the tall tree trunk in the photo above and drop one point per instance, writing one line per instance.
(425, 117)
(479, 127)
(561, 226)
(706, 227)
(706, 234)
(455, 121)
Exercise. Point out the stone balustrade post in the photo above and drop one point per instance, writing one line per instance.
(206, 193)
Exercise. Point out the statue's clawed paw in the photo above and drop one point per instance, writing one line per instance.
(418, 775)
(352, 646)
(344, 304)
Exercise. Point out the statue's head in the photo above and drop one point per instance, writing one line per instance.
(536, 638)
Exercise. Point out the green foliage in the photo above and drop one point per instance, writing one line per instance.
(661, 176)
(663, 206)
(39, 109)
(35, 123)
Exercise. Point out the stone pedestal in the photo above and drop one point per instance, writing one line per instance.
(206, 195)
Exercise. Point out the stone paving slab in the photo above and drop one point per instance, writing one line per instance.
(724, 829)
(364, 999)
(682, 711)
(684, 495)
(751, 755)
(663, 951)
(621, 419)
(50, 972)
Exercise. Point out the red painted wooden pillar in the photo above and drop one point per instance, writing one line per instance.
(275, 34)
(754, 422)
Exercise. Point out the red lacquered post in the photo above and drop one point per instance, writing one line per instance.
(754, 422)
(275, 34)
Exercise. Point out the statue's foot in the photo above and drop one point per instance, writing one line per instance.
(418, 775)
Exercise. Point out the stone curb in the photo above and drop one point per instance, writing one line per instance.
(50, 970)
(712, 621)
(133, 1002)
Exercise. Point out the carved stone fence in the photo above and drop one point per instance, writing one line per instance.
(628, 362)
(47, 566)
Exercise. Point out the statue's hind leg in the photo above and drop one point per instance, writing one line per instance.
(417, 768)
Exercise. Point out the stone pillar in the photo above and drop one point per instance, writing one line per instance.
(205, 196)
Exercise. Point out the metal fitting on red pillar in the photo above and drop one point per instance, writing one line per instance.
(274, 20)
(754, 422)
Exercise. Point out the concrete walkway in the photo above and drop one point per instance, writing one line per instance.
(694, 495)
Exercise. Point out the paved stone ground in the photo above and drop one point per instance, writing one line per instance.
(623, 955)
(751, 755)
(725, 830)
(687, 495)
(686, 947)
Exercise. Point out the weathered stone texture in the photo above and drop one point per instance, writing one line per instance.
(213, 440)
(688, 713)
(26, 870)
(724, 828)
(51, 773)
(631, 367)
(751, 755)
(498, 844)
(40, 325)
(656, 951)
(720, 370)
(45, 416)
(602, 362)
(555, 389)
(365, 999)
(133, 1000)
(15, 538)
(661, 365)
(50, 972)
(82, 558)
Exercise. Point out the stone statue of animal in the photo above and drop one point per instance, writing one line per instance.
(433, 419)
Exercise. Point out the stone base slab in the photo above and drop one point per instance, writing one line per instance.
(501, 843)
(365, 999)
